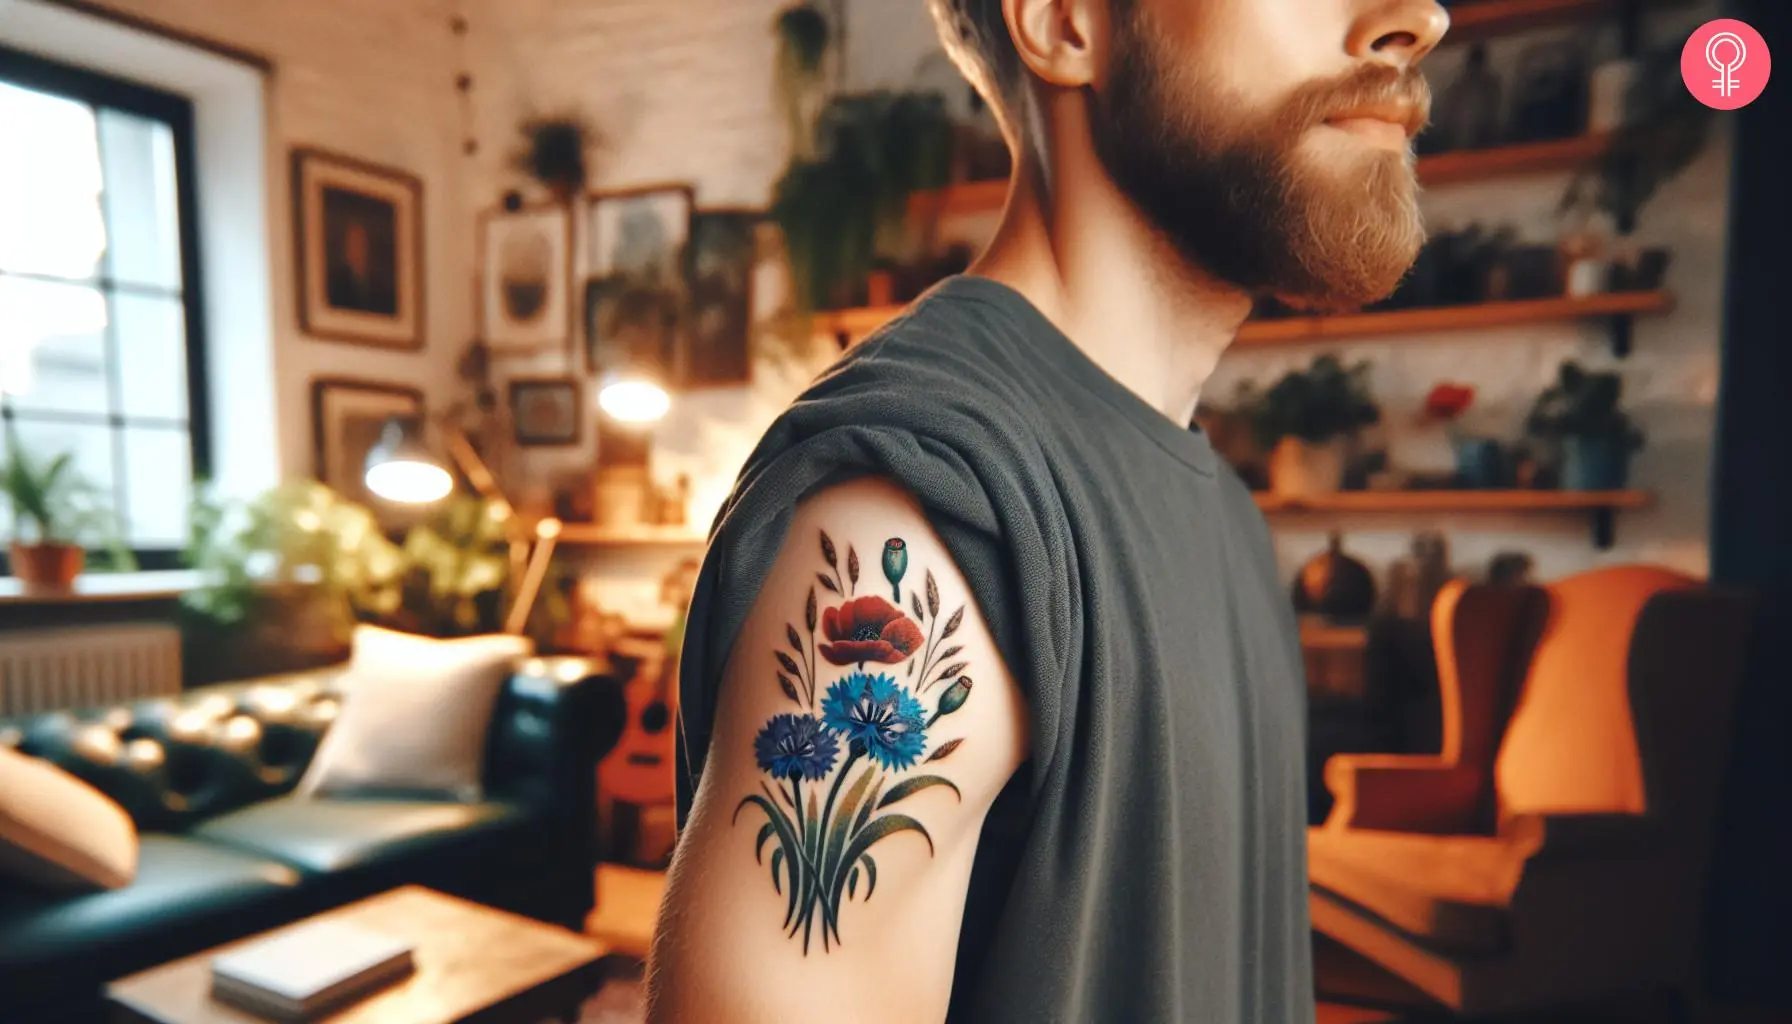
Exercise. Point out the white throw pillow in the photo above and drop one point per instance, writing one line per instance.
(415, 712)
(58, 831)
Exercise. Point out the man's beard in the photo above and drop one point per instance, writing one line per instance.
(1235, 196)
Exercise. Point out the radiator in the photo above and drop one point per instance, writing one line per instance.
(86, 667)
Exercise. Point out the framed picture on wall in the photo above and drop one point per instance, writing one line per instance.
(545, 410)
(719, 263)
(359, 232)
(347, 417)
(525, 278)
(634, 297)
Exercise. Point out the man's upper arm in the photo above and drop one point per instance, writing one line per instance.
(865, 725)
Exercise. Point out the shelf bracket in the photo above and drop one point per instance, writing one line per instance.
(1630, 28)
(1620, 328)
(1605, 527)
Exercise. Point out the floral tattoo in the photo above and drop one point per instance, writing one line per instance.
(867, 721)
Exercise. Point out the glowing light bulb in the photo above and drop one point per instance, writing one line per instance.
(412, 483)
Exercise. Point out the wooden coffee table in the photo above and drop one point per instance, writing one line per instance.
(474, 963)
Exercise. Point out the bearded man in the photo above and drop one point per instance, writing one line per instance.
(992, 700)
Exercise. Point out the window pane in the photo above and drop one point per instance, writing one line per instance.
(140, 203)
(61, 328)
(158, 479)
(152, 356)
(44, 440)
(50, 219)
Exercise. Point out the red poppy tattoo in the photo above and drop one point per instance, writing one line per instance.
(869, 629)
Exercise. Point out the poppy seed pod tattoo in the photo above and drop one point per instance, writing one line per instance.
(869, 729)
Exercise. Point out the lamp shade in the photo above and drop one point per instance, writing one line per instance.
(400, 468)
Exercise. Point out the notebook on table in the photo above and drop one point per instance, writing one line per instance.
(309, 970)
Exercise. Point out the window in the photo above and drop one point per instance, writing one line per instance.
(101, 347)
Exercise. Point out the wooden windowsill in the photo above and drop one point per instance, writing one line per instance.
(107, 588)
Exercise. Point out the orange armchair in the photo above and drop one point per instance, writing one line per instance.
(1552, 853)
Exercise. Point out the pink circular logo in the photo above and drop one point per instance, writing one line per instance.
(1726, 64)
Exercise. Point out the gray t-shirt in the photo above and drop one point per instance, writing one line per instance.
(1148, 863)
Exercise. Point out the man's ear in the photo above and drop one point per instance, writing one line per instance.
(1056, 39)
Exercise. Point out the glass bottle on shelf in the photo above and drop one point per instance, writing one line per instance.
(1471, 104)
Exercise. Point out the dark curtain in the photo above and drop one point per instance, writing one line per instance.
(1751, 543)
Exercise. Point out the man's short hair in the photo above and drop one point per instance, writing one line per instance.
(976, 37)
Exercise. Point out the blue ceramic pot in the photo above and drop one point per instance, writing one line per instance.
(1595, 464)
(1480, 464)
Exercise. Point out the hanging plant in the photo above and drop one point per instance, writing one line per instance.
(845, 208)
(555, 153)
(803, 36)
(1665, 129)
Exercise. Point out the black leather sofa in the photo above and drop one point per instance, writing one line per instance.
(226, 851)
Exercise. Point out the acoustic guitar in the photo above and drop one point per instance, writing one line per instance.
(640, 769)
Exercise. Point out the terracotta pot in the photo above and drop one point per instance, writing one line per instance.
(1298, 469)
(47, 568)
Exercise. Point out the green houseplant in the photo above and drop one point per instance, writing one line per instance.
(555, 152)
(1304, 421)
(1579, 415)
(1664, 129)
(842, 202)
(56, 516)
(286, 575)
(843, 209)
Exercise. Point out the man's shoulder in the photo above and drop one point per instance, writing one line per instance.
(937, 367)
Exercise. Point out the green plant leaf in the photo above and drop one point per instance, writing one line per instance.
(876, 832)
(777, 862)
(870, 874)
(838, 830)
(868, 806)
(764, 834)
(909, 787)
(852, 883)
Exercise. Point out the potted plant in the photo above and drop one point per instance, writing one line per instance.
(847, 207)
(286, 576)
(56, 515)
(1306, 420)
(555, 152)
(1662, 128)
(856, 159)
(1477, 458)
(1580, 417)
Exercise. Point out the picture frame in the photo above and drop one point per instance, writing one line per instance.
(358, 237)
(347, 416)
(635, 296)
(720, 261)
(547, 411)
(525, 278)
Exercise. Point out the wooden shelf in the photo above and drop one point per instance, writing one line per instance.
(1459, 501)
(1484, 19)
(1286, 330)
(966, 199)
(1601, 507)
(980, 197)
(592, 535)
(856, 323)
(1465, 165)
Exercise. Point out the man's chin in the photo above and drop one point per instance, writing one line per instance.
(1347, 280)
